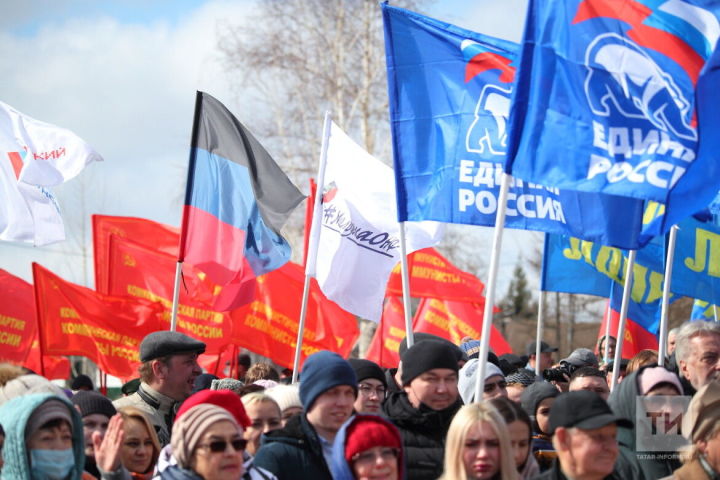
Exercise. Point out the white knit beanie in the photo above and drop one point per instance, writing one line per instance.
(286, 396)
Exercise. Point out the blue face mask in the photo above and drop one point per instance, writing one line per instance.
(51, 464)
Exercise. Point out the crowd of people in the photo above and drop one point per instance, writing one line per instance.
(351, 419)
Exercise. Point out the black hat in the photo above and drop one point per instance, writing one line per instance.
(93, 402)
(162, 344)
(421, 336)
(367, 369)
(544, 348)
(515, 360)
(427, 355)
(130, 387)
(585, 410)
(80, 381)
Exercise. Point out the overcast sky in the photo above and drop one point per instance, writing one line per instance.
(122, 75)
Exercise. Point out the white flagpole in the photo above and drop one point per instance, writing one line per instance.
(715, 312)
(539, 333)
(313, 242)
(176, 297)
(607, 331)
(492, 277)
(623, 317)
(406, 287)
(662, 351)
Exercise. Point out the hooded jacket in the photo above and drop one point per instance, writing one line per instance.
(623, 403)
(14, 416)
(423, 431)
(292, 451)
(340, 468)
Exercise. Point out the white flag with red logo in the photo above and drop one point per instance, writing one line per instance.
(360, 235)
(35, 155)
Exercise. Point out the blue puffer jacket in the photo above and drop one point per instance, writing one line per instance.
(14, 416)
(293, 452)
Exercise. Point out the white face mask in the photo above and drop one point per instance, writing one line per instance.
(51, 464)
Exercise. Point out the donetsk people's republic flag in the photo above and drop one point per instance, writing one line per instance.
(236, 202)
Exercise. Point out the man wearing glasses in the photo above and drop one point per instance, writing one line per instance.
(371, 386)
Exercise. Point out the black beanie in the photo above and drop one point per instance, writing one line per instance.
(80, 381)
(367, 369)
(93, 402)
(427, 355)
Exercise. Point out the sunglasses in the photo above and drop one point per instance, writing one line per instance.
(219, 446)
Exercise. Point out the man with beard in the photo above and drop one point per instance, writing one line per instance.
(303, 448)
(424, 409)
(167, 377)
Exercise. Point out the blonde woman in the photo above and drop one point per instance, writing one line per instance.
(140, 446)
(478, 446)
(265, 416)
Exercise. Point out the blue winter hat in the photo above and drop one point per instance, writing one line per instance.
(322, 371)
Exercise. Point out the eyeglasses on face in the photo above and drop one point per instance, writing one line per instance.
(367, 390)
(370, 456)
(219, 446)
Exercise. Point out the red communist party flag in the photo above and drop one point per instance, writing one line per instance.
(142, 273)
(269, 325)
(384, 346)
(53, 367)
(456, 320)
(75, 320)
(18, 330)
(154, 235)
(17, 318)
(636, 337)
(433, 276)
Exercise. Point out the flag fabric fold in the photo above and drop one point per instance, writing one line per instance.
(450, 94)
(433, 276)
(269, 324)
(74, 320)
(237, 200)
(359, 242)
(35, 155)
(631, 89)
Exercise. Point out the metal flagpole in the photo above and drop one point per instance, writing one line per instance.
(623, 317)
(313, 242)
(491, 284)
(662, 351)
(406, 287)
(186, 216)
(607, 331)
(176, 297)
(539, 333)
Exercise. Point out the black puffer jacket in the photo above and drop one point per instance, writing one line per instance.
(293, 452)
(423, 432)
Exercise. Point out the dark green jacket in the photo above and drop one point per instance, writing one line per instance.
(293, 452)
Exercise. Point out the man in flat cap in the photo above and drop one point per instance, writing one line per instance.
(168, 371)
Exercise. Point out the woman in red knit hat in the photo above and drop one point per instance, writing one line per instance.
(367, 447)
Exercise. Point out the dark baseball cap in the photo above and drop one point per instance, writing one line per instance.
(544, 348)
(585, 410)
